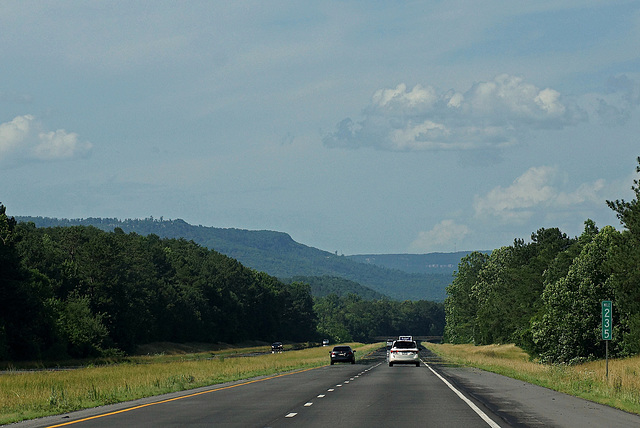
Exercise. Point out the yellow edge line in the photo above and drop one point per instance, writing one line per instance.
(180, 398)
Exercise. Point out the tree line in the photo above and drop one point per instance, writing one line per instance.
(350, 317)
(545, 295)
(78, 291)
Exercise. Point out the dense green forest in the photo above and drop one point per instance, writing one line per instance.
(78, 291)
(91, 291)
(348, 311)
(545, 295)
(322, 286)
(277, 254)
(351, 317)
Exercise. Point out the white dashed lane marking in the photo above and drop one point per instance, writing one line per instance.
(309, 404)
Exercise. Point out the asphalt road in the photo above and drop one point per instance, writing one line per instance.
(367, 394)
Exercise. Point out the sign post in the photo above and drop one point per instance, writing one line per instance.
(607, 326)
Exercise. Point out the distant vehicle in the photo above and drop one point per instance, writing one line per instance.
(277, 347)
(404, 352)
(389, 343)
(325, 342)
(343, 354)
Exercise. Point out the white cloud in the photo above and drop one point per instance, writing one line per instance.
(445, 234)
(25, 138)
(59, 145)
(13, 133)
(587, 192)
(516, 202)
(547, 100)
(536, 192)
(398, 98)
(488, 115)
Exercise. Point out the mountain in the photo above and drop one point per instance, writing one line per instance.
(442, 263)
(277, 254)
(322, 286)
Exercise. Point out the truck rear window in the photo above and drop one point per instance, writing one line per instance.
(405, 345)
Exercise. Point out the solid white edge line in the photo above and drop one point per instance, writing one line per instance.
(475, 408)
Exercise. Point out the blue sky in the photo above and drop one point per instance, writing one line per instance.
(356, 127)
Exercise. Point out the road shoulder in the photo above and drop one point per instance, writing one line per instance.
(523, 404)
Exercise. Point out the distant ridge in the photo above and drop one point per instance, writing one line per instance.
(277, 254)
(443, 263)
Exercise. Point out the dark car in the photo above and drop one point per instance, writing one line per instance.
(343, 354)
(277, 347)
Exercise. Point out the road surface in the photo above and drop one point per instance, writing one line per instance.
(366, 394)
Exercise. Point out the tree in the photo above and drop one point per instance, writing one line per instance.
(26, 324)
(629, 212)
(569, 329)
(331, 318)
(82, 330)
(461, 304)
(9, 277)
(625, 266)
(495, 298)
(298, 318)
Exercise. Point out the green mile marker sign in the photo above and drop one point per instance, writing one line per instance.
(607, 323)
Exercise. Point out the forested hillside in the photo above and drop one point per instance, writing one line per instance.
(322, 286)
(81, 291)
(545, 295)
(78, 291)
(277, 254)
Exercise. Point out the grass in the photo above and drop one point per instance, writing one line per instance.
(588, 380)
(33, 394)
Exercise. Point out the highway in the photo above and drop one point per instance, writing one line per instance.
(366, 394)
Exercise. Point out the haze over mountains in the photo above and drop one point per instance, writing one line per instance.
(397, 276)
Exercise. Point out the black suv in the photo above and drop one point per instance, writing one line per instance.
(343, 354)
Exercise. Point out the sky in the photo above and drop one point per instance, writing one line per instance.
(357, 127)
